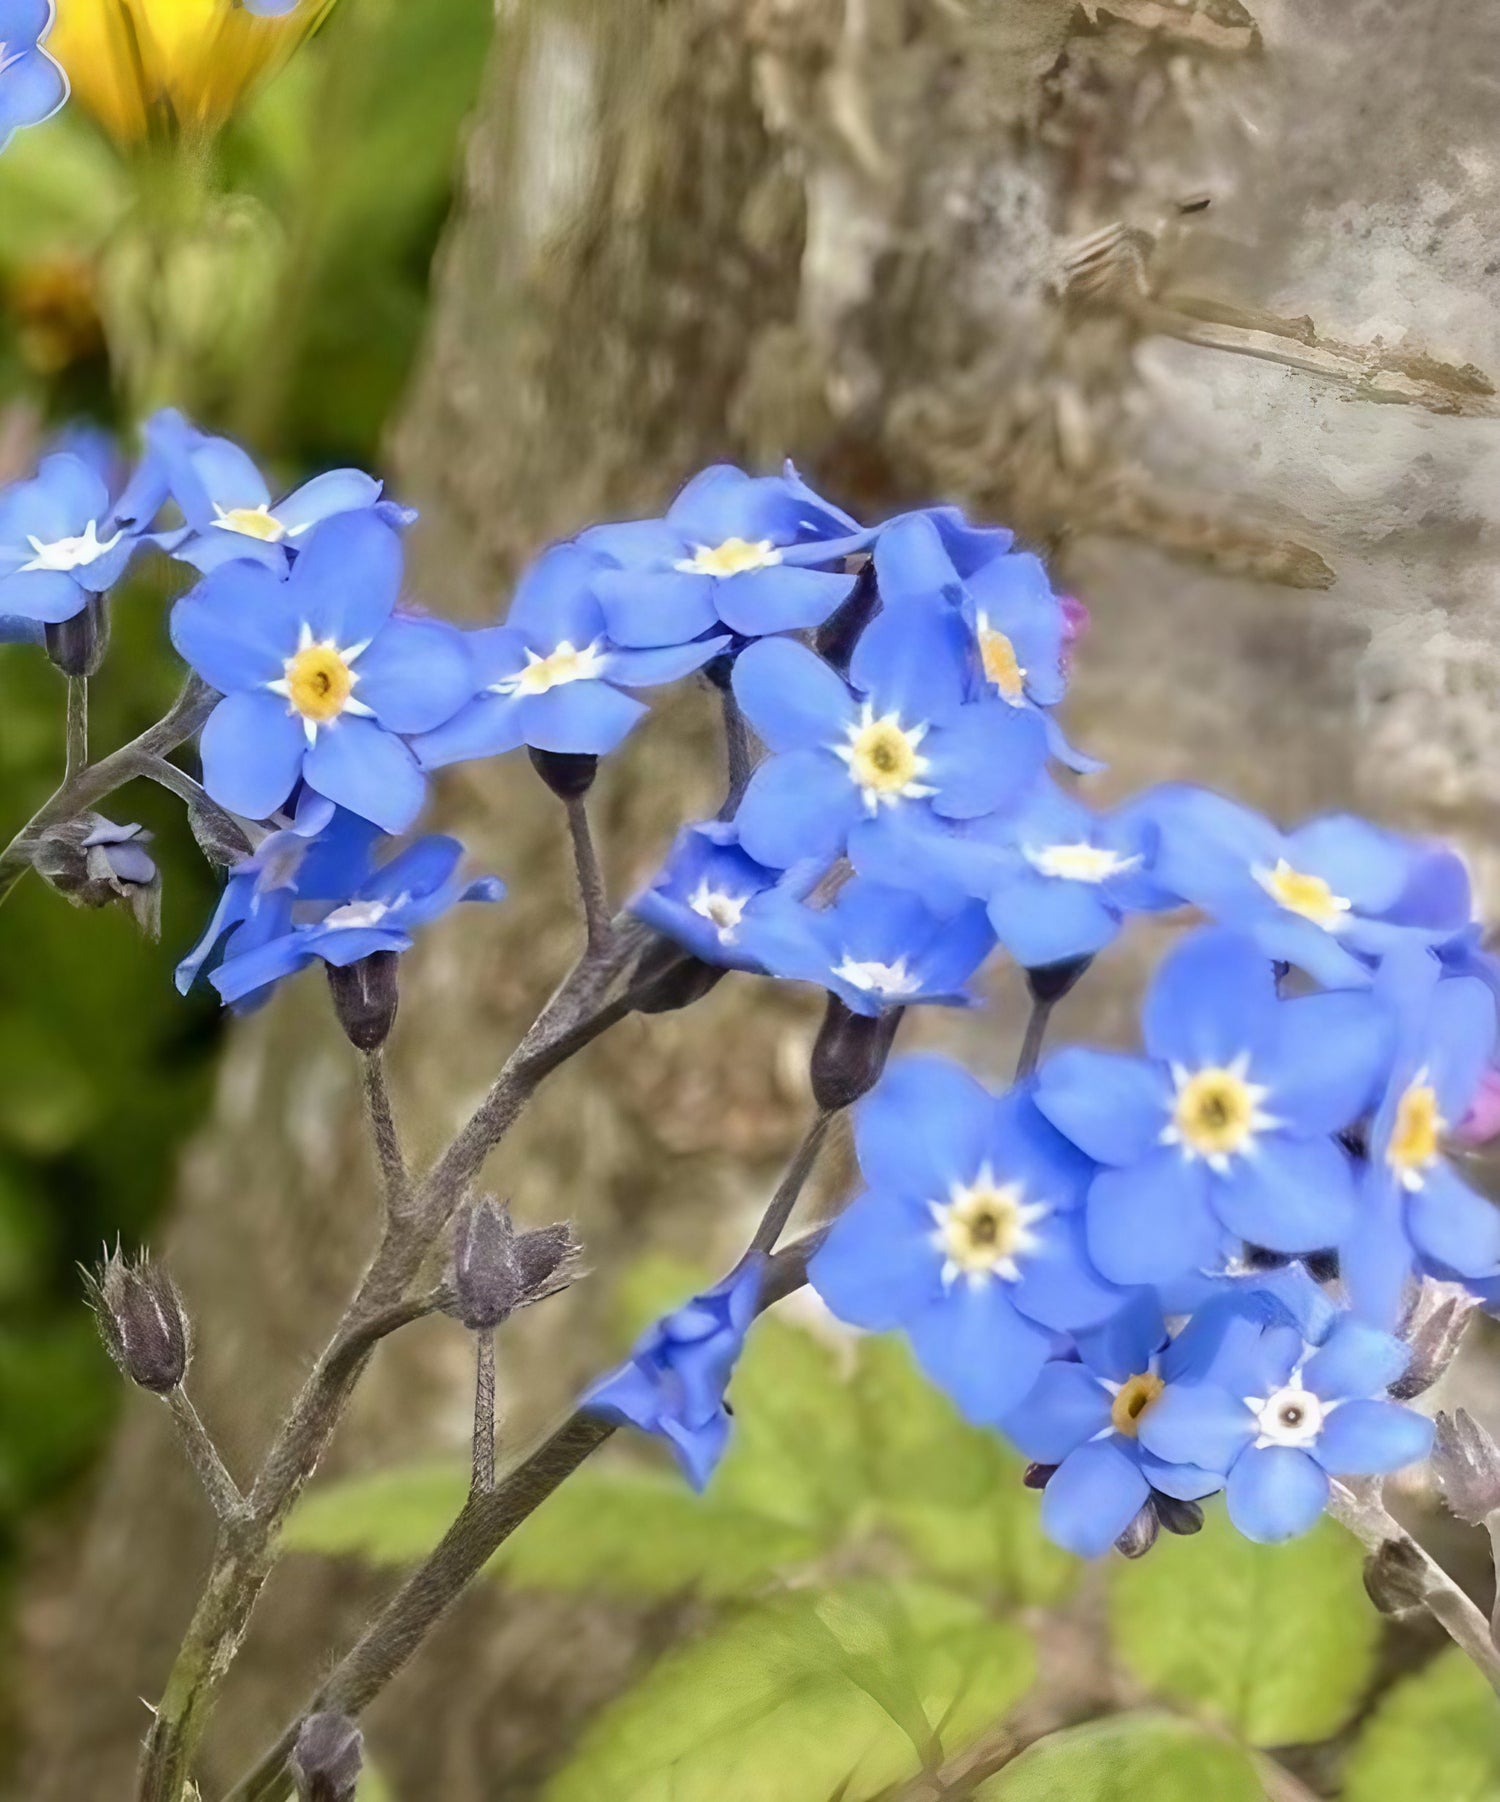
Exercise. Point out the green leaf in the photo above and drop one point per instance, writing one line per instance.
(393, 1517)
(807, 1696)
(952, 1493)
(1133, 1758)
(373, 1787)
(1435, 1738)
(1277, 1642)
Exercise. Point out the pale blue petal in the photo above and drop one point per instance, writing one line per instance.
(1067, 1406)
(415, 674)
(1197, 1423)
(252, 751)
(976, 1347)
(924, 1128)
(1213, 999)
(1453, 1225)
(1152, 1222)
(798, 806)
(1369, 1438)
(1288, 1194)
(367, 770)
(336, 491)
(646, 608)
(347, 577)
(1275, 1494)
(1090, 1501)
(878, 1266)
(1111, 1106)
(791, 697)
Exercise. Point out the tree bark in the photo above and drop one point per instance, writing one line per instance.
(931, 249)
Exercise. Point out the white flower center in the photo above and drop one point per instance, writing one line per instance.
(361, 913)
(1078, 863)
(883, 759)
(984, 1229)
(1217, 1112)
(719, 909)
(1292, 1416)
(734, 557)
(562, 665)
(879, 979)
(63, 555)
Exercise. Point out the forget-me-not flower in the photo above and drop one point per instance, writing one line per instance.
(733, 550)
(878, 755)
(707, 891)
(674, 1380)
(60, 541)
(320, 680)
(1224, 1131)
(550, 678)
(33, 85)
(969, 1236)
(1416, 1212)
(1279, 1417)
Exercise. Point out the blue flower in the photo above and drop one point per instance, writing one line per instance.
(673, 1383)
(874, 947)
(875, 758)
(32, 86)
(969, 1236)
(1330, 897)
(1084, 1416)
(1222, 1133)
(227, 505)
(1279, 1417)
(550, 678)
(1416, 1212)
(705, 893)
(734, 550)
(270, 9)
(60, 541)
(380, 913)
(319, 678)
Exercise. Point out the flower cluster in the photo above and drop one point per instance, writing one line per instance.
(1162, 1274)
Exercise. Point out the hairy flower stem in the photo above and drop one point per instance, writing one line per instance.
(736, 753)
(484, 1412)
(1031, 1044)
(383, 1131)
(1364, 1514)
(590, 877)
(485, 1522)
(94, 781)
(203, 1454)
(788, 1190)
(77, 728)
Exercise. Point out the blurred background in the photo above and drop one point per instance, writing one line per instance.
(1197, 297)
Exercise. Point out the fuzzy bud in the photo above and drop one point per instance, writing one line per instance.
(95, 863)
(668, 978)
(1466, 1463)
(1433, 1331)
(1139, 1537)
(569, 774)
(77, 645)
(850, 1053)
(141, 1322)
(365, 998)
(327, 1759)
(496, 1270)
(1395, 1577)
(1177, 1516)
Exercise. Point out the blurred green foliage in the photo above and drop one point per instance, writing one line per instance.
(871, 1573)
(275, 289)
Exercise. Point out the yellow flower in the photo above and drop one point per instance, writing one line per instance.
(145, 67)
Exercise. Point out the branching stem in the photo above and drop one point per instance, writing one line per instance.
(221, 1488)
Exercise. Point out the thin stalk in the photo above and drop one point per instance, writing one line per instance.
(590, 877)
(788, 1190)
(484, 1412)
(220, 1487)
(736, 752)
(1036, 1033)
(77, 729)
(383, 1130)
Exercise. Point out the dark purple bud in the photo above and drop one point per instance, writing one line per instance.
(541, 1253)
(327, 1759)
(365, 997)
(1038, 1476)
(668, 978)
(496, 1270)
(836, 638)
(850, 1054)
(141, 1321)
(1050, 982)
(1139, 1537)
(77, 645)
(1177, 1516)
(1466, 1463)
(1433, 1330)
(1395, 1577)
(569, 774)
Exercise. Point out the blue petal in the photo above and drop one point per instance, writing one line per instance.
(1059, 1287)
(347, 577)
(1126, 1343)
(489, 726)
(912, 661)
(985, 758)
(554, 601)
(645, 669)
(1090, 1501)
(797, 806)
(204, 472)
(628, 1394)
(32, 88)
(974, 1345)
(790, 696)
(1355, 1360)
(1325, 1060)
(1288, 1194)
(780, 599)
(1152, 1222)
(418, 870)
(646, 608)
(1461, 1041)
(336, 491)
(1023, 1145)
(239, 978)
(878, 1266)
(1375, 1259)
(367, 770)
(1066, 1408)
(24, 21)
(912, 562)
(1275, 1494)
(1213, 999)
(579, 718)
(415, 674)
(1369, 1438)
(48, 596)
(345, 945)
(925, 1127)
(1197, 1423)
(1364, 864)
(237, 628)
(1453, 1225)
(1111, 1106)
(252, 751)
(1188, 1482)
(698, 1450)
(211, 551)
(1041, 920)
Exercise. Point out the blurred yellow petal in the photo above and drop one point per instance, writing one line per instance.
(139, 65)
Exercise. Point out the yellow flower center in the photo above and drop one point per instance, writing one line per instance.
(252, 522)
(319, 682)
(1300, 893)
(883, 758)
(1002, 668)
(1135, 1396)
(734, 557)
(1216, 1112)
(565, 664)
(985, 1227)
(1419, 1127)
(1079, 863)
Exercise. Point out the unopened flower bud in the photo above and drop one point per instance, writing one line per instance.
(849, 1054)
(365, 997)
(1433, 1330)
(1177, 1516)
(668, 978)
(77, 645)
(220, 836)
(1038, 1476)
(1139, 1537)
(1466, 1463)
(496, 1270)
(327, 1758)
(835, 639)
(569, 774)
(1395, 1577)
(1050, 982)
(95, 863)
(141, 1322)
